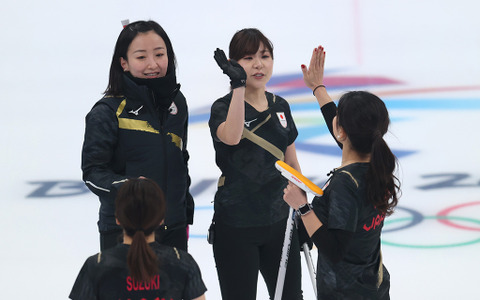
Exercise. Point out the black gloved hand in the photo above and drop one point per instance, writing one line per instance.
(232, 68)
(303, 236)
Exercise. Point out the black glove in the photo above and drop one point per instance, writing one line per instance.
(237, 74)
(303, 236)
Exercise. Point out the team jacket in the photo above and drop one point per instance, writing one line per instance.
(127, 137)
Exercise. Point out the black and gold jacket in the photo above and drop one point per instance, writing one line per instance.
(132, 136)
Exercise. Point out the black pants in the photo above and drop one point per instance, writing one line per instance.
(176, 237)
(241, 252)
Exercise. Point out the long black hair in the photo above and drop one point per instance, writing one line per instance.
(140, 208)
(365, 119)
(115, 81)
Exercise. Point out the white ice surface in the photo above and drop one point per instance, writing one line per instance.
(54, 61)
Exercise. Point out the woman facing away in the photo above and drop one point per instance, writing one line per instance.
(252, 129)
(346, 222)
(139, 128)
(139, 268)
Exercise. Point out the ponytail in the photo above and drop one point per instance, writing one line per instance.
(141, 259)
(382, 183)
(364, 117)
(140, 208)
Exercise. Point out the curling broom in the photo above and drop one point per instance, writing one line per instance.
(305, 184)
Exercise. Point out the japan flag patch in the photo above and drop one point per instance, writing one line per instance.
(282, 119)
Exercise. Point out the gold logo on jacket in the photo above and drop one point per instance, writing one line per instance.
(125, 123)
(130, 124)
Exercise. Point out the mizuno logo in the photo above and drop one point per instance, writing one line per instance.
(135, 112)
(247, 123)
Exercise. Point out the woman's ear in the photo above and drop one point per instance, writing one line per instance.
(161, 222)
(117, 221)
(124, 64)
(340, 134)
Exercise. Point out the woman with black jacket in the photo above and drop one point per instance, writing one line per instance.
(139, 128)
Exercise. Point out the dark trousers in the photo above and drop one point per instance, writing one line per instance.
(111, 238)
(241, 252)
(176, 237)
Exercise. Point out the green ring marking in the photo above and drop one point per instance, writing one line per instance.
(433, 246)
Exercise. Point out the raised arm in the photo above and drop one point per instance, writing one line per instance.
(230, 131)
(313, 78)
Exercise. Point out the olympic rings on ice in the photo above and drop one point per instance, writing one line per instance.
(443, 217)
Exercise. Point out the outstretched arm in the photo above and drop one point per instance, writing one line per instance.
(313, 78)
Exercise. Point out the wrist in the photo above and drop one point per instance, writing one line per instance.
(238, 83)
(304, 209)
(317, 87)
(238, 88)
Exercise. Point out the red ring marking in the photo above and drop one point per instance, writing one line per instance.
(447, 210)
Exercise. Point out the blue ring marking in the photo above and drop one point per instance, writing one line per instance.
(198, 236)
(417, 218)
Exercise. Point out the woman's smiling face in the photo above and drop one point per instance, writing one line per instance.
(146, 56)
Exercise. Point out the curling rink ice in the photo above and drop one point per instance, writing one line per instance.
(421, 57)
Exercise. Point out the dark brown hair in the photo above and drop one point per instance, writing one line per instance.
(140, 208)
(246, 42)
(364, 117)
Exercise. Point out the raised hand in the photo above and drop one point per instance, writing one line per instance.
(232, 68)
(313, 75)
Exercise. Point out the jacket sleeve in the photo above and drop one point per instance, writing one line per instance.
(101, 129)
(190, 204)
